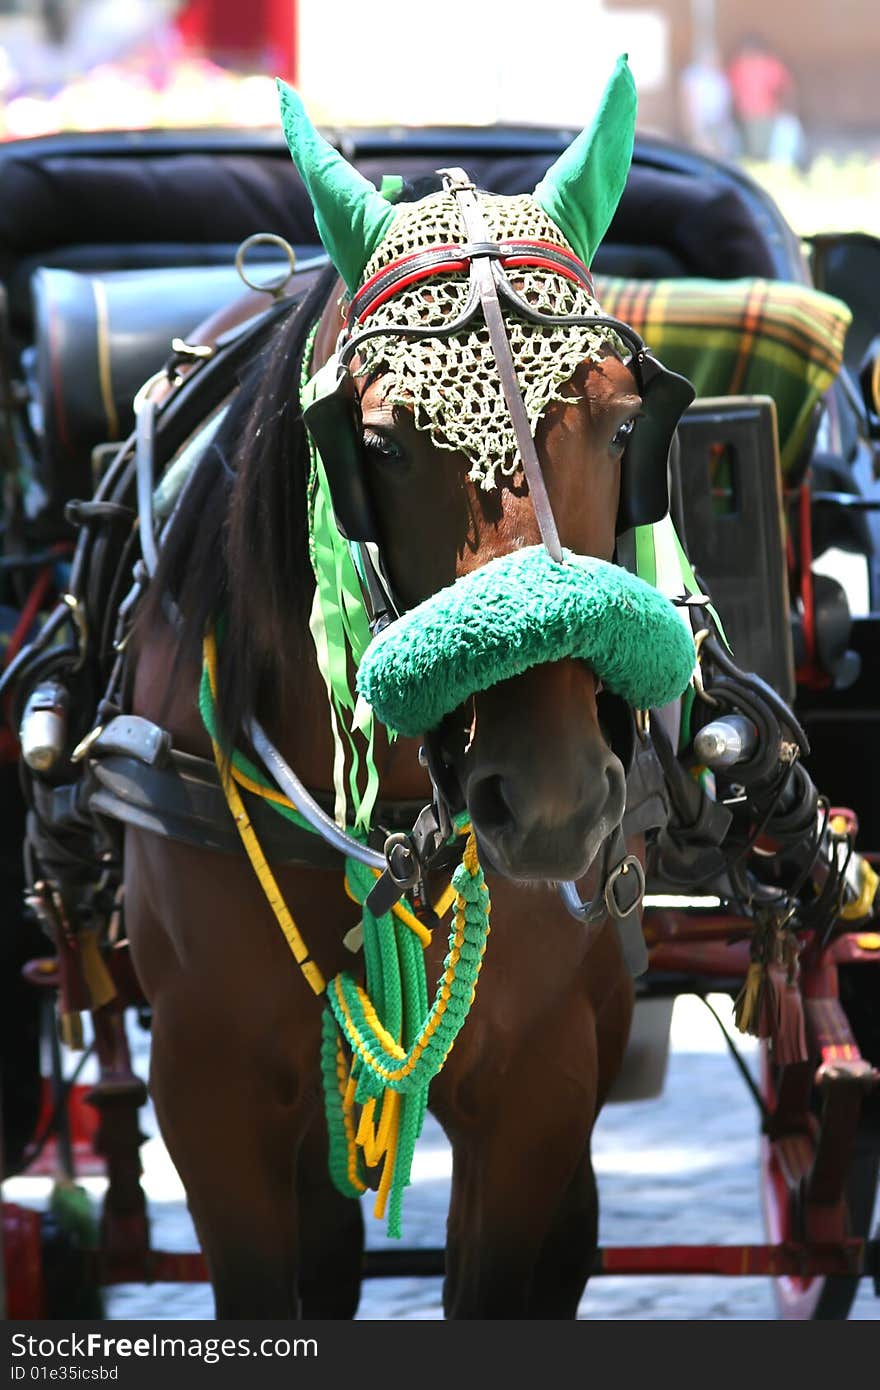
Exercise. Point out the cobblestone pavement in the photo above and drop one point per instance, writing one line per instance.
(680, 1169)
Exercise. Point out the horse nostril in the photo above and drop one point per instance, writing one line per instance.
(615, 780)
(488, 804)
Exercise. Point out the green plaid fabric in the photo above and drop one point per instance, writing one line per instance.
(740, 338)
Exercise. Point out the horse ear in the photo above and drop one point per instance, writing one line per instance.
(352, 218)
(582, 189)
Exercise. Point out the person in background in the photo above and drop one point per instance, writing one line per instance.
(763, 92)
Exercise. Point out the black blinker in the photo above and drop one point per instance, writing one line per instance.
(333, 421)
(644, 481)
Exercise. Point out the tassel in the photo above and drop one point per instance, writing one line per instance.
(73, 995)
(95, 973)
(790, 1041)
(745, 1008)
(790, 1038)
(70, 1030)
(772, 985)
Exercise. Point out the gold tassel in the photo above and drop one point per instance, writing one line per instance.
(99, 981)
(70, 1031)
(745, 1008)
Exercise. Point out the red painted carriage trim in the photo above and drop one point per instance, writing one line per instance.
(23, 1263)
(843, 1257)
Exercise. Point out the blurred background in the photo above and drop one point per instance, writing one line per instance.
(789, 87)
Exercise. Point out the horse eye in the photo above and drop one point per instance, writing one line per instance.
(621, 438)
(381, 448)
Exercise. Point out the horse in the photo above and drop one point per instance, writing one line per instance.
(535, 760)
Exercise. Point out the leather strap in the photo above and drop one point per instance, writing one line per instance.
(443, 259)
(145, 435)
(482, 274)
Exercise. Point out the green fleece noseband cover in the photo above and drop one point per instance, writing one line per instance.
(519, 611)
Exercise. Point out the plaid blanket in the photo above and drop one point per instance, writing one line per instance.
(740, 338)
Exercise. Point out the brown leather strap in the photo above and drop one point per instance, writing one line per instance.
(482, 275)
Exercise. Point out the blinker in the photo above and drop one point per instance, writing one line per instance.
(644, 481)
(332, 418)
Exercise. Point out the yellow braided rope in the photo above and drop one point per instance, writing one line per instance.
(391, 1102)
(346, 1084)
(380, 1033)
(254, 852)
(267, 879)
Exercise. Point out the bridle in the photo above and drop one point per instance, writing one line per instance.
(332, 418)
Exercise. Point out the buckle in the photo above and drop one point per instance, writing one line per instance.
(624, 888)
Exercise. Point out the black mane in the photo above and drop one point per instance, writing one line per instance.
(239, 542)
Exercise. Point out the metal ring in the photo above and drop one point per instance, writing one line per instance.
(631, 864)
(400, 840)
(273, 287)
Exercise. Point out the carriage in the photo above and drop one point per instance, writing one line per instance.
(114, 249)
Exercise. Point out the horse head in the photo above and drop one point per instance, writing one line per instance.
(477, 420)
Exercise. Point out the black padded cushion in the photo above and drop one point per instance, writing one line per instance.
(122, 202)
(140, 206)
(673, 224)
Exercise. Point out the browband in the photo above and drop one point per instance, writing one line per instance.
(453, 256)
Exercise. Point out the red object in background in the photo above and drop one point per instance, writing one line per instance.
(261, 34)
(23, 1261)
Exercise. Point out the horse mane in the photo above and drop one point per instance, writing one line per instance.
(238, 544)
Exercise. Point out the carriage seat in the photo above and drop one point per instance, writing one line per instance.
(98, 338)
(761, 354)
(156, 199)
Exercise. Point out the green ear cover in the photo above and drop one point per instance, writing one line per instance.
(582, 189)
(352, 218)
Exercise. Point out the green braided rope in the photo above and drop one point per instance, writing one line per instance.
(396, 985)
(337, 1158)
(448, 1011)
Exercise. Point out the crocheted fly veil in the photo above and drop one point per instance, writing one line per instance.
(451, 384)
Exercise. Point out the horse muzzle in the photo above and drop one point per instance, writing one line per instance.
(521, 642)
(532, 826)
